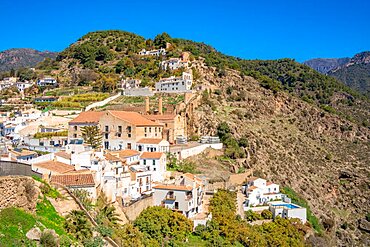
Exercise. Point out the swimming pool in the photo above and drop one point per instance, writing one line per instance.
(290, 206)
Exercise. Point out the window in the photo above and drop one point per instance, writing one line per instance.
(154, 169)
(150, 129)
(153, 162)
(74, 135)
(176, 205)
(75, 128)
(140, 148)
(129, 135)
(119, 134)
(120, 129)
(106, 128)
(145, 129)
(106, 136)
(129, 129)
(144, 162)
(51, 143)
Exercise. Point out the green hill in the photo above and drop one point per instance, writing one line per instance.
(107, 54)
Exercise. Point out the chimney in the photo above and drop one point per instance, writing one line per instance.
(160, 106)
(146, 104)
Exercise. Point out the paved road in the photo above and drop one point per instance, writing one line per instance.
(102, 103)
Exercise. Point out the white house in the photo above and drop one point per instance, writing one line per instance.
(288, 210)
(259, 191)
(47, 81)
(155, 163)
(176, 63)
(23, 85)
(158, 52)
(129, 84)
(152, 145)
(175, 84)
(185, 195)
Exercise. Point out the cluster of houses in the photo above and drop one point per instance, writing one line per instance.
(14, 82)
(22, 85)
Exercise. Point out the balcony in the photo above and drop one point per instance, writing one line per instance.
(170, 198)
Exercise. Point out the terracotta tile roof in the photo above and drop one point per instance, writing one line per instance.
(87, 117)
(74, 179)
(269, 183)
(252, 188)
(192, 177)
(54, 166)
(111, 157)
(149, 141)
(23, 152)
(125, 153)
(151, 155)
(173, 187)
(134, 118)
(161, 117)
(83, 171)
(63, 155)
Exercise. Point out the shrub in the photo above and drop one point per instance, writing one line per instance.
(266, 214)
(252, 216)
(48, 239)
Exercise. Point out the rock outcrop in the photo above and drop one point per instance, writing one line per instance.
(17, 191)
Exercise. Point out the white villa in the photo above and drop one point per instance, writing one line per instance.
(158, 52)
(47, 81)
(176, 63)
(259, 191)
(175, 84)
(266, 195)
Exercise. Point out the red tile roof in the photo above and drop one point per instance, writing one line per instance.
(173, 187)
(134, 118)
(54, 166)
(151, 155)
(252, 188)
(87, 117)
(125, 153)
(63, 155)
(149, 141)
(74, 179)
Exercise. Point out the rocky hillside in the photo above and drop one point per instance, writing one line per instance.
(324, 65)
(19, 58)
(320, 155)
(354, 72)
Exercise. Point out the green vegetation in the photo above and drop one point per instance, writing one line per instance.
(234, 148)
(15, 223)
(40, 135)
(92, 136)
(173, 164)
(46, 189)
(227, 229)
(301, 202)
(77, 224)
(162, 226)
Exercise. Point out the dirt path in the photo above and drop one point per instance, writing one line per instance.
(240, 200)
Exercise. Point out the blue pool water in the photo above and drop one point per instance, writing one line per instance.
(291, 206)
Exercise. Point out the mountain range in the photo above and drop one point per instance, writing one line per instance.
(23, 57)
(354, 72)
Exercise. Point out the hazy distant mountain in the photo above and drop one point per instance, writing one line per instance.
(354, 72)
(324, 65)
(22, 57)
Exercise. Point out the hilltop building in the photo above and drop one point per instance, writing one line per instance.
(176, 63)
(158, 52)
(47, 81)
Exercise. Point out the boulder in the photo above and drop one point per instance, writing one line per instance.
(34, 234)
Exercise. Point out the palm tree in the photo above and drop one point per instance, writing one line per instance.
(77, 224)
(108, 214)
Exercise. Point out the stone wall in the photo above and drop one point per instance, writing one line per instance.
(134, 210)
(19, 192)
(9, 168)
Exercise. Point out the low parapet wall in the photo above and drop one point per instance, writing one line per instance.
(134, 210)
(10, 168)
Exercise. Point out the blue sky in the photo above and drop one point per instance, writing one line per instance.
(248, 29)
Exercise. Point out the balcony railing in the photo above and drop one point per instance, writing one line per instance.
(170, 198)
